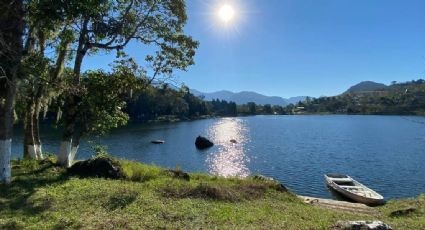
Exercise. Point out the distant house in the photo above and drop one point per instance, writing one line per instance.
(298, 110)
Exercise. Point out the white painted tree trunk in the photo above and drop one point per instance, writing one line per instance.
(39, 152)
(74, 150)
(65, 154)
(5, 153)
(32, 151)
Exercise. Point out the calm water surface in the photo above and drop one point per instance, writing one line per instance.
(387, 153)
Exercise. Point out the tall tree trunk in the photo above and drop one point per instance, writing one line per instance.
(75, 144)
(6, 126)
(11, 30)
(65, 151)
(32, 143)
(36, 130)
(37, 102)
(29, 142)
(31, 139)
(66, 155)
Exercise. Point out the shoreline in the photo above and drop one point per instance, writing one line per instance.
(176, 119)
(154, 197)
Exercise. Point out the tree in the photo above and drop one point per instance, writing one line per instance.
(267, 109)
(11, 31)
(42, 79)
(278, 110)
(111, 25)
(252, 108)
(153, 102)
(35, 70)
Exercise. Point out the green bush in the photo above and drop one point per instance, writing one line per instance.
(139, 172)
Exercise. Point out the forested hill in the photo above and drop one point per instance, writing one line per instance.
(398, 98)
(366, 86)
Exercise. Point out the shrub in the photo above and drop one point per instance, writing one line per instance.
(135, 171)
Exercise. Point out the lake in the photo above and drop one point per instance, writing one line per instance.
(386, 153)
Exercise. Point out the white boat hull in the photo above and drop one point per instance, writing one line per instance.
(373, 199)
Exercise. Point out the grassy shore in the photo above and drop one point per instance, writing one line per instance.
(42, 196)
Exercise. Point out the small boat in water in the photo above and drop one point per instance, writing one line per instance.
(157, 142)
(348, 187)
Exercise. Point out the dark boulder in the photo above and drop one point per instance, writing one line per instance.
(98, 167)
(157, 142)
(203, 143)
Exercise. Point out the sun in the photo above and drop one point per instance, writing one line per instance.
(226, 13)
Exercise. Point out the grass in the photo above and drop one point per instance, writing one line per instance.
(42, 196)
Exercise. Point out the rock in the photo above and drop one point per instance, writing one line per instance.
(98, 167)
(179, 174)
(203, 143)
(157, 142)
(361, 225)
(263, 178)
(279, 186)
(402, 212)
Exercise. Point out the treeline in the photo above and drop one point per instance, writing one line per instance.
(253, 109)
(162, 102)
(155, 102)
(407, 98)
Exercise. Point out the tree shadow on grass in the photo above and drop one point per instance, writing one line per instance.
(28, 177)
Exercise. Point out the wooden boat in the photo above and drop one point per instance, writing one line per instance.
(157, 142)
(348, 187)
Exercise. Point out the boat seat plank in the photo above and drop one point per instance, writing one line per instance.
(341, 179)
(356, 187)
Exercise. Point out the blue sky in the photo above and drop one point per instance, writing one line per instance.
(300, 47)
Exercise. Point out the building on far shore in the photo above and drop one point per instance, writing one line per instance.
(298, 110)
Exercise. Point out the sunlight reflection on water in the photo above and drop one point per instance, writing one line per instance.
(229, 160)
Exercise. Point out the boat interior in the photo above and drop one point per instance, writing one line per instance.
(334, 175)
(349, 185)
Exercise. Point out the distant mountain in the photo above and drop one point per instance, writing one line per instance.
(294, 100)
(366, 86)
(247, 96)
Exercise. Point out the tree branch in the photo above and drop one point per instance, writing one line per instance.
(108, 46)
